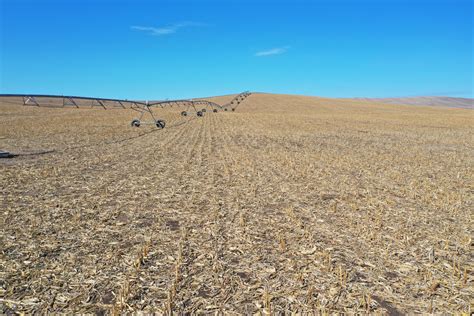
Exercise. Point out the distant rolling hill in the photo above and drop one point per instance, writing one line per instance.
(450, 102)
(465, 103)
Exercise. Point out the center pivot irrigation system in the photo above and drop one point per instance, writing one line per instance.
(197, 106)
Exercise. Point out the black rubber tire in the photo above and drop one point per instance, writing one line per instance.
(225, 110)
(203, 110)
(215, 110)
(233, 110)
(199, 113)
(184, 113)
(135, 123)
(160, 124)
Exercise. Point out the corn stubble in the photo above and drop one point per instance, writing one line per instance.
(289, 205)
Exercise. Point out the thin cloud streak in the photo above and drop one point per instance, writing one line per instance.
(165, 30)
(273, 51)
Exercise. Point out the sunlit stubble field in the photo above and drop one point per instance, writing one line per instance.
(289, 204)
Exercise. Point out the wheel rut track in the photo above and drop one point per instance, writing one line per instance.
(213, 280)
(165, 287)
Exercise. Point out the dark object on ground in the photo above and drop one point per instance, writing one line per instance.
(135, 123)
(6, 154)
(160, 124)
(199, 113)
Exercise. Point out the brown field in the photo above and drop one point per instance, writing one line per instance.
(290, 204)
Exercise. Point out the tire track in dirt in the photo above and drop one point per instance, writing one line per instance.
(173, 224)
(214, 281)
(197, 215)
(251, 287)
(206, 228)
(201, 235)
(199, 207)
(165, 270)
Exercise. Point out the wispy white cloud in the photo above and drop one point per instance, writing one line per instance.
(273, 51)
(165, 30)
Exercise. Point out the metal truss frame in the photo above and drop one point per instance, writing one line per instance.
(143, 107)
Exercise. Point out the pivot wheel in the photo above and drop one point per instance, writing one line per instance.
(184, 113)
(135, 123)
(233, 110)
(215, 110)
(203, 110)
(160, 123)
(199, 113)
(225, 109)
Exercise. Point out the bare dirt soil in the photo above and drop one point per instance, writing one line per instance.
(289, 204)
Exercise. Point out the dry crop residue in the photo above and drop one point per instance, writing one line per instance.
(289, 204)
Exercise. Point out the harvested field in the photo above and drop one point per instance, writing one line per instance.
(291, 203)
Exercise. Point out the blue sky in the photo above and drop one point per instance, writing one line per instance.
(179, 49)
